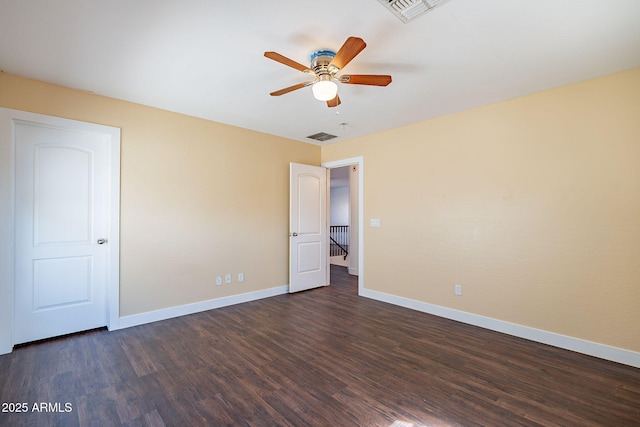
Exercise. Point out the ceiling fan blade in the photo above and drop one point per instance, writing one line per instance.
(334, 102)
(286, 61)
(347, 52)
(290, 89)
(365, 79)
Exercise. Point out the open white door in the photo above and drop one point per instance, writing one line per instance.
(308, 234)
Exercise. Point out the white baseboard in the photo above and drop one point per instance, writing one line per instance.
(338, 260)
(602, 351)
(182, 310)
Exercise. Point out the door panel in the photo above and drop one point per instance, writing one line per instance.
(309, 257)
(62, 183)
(308, 229)
(309, 204)
(76, 274)
(62, 195)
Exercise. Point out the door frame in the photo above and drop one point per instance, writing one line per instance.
(8, 118)
(359, 161)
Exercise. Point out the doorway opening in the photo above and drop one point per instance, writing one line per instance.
(339, 216)
(346, 215)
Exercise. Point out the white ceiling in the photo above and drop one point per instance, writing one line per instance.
(205, 57)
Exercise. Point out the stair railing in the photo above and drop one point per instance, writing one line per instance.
(339, 236)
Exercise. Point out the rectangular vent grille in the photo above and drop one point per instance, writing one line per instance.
(408, 10)
(322, 136)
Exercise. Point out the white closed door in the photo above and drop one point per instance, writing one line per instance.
(61, 230)
(308, 228)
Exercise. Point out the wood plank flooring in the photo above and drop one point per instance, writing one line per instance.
(324, 357)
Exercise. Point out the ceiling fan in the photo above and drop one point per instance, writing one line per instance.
(325, 65)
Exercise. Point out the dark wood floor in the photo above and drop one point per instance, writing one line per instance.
(318, 358)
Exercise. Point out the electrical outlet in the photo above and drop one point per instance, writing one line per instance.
(227, 279)
(219, 280)
(240, 277)
(458, 289)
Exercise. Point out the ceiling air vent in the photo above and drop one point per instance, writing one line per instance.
(408, 10)
(322, 136)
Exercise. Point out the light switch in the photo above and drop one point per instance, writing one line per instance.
(374, 222)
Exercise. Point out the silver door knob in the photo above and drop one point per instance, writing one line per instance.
(102, 241)
(294, 234)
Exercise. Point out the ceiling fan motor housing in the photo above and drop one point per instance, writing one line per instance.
(320, 61)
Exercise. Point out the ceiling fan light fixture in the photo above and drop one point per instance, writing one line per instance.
(324, 89)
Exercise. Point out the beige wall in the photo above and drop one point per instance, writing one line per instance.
(532, 205)
(198, 198)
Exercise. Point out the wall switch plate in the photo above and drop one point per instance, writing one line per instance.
(374, 222)
(219, 280)
(240, 277)
(458, 289)
(227, 279)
